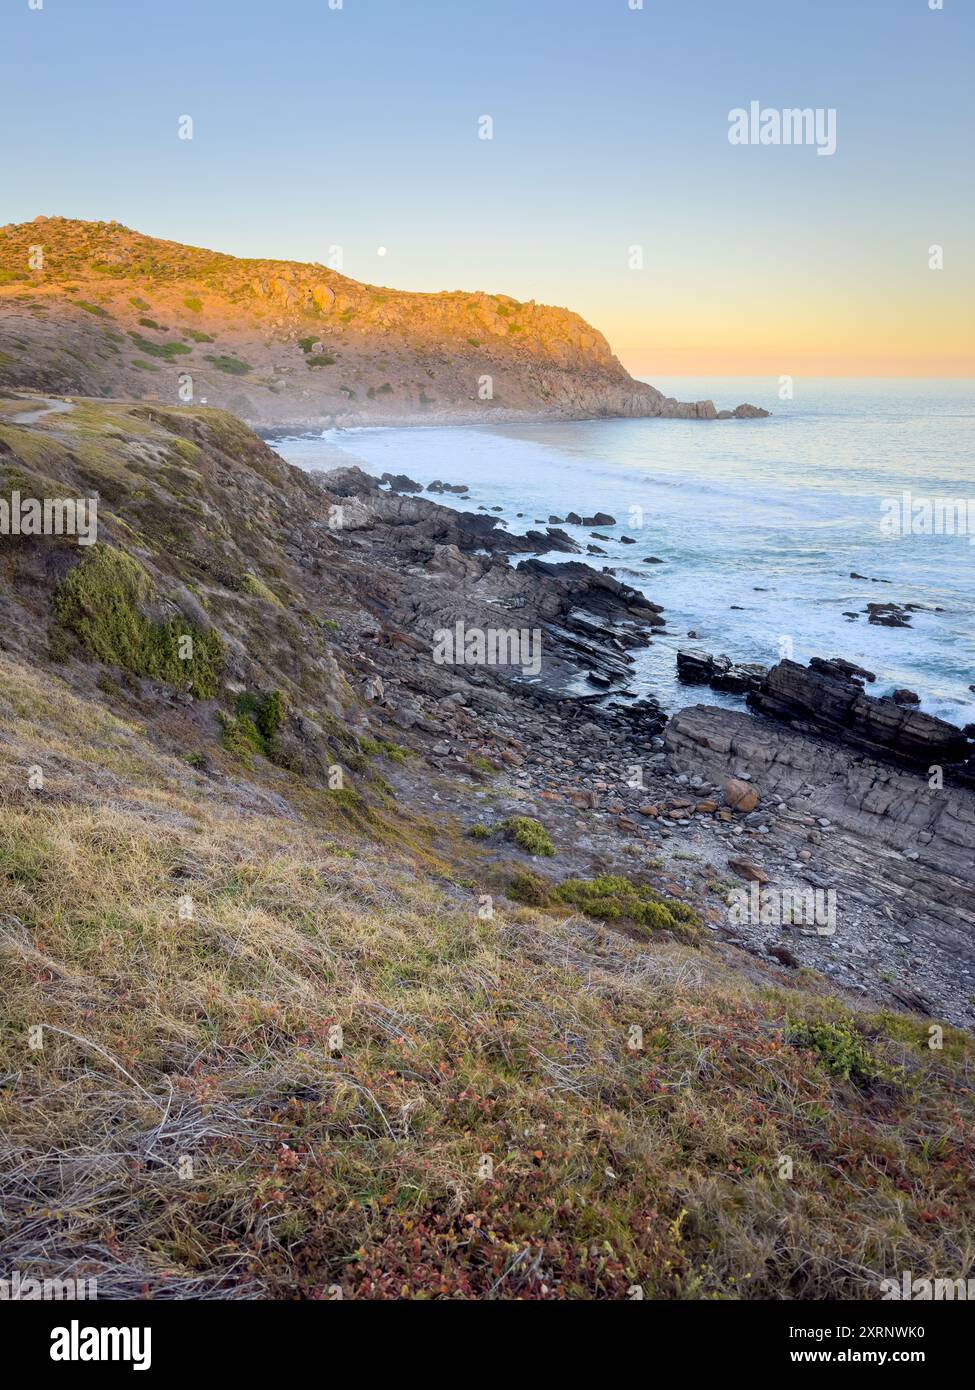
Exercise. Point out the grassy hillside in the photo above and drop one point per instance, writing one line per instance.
(189, 908)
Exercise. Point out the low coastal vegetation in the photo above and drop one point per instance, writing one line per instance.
(254, 584)
(839, 1047)
(254, 724)
(376, 747)
(529, 835)
(101, 603)
(608, 898)
(164, 350)
(233, 366)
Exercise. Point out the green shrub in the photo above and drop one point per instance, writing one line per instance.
(839, 1048)
(529, 889)
(233, 366)
(612, 898)
(252, 584)
(166, 350)
(193, 304)
(241, 737)
(529, 835)
(257, 718)
(271, 715)
(101, 602)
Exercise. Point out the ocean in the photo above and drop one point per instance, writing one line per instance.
(759, 523)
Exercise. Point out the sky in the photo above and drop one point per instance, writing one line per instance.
(610, 185)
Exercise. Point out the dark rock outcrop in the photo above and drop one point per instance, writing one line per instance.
(845, 668)
(439, 487)
(399, 482)
(589, 621)
(421, 522)
(826, 698)
(887, 615)
(719, 672)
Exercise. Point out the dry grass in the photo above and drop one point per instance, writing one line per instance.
(360, 1168)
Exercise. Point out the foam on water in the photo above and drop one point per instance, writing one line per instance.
(789, 506)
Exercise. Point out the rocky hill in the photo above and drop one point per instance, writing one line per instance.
(329, 971)
(95, 309)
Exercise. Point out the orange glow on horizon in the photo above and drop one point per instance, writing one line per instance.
(845, 338)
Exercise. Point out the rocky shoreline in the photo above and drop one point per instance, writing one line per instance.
(838, 796)
(335, 588)
(602, 402)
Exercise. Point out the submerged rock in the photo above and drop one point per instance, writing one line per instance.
(438, 487)
(887, 615)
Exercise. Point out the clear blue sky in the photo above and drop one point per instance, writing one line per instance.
(359, 127)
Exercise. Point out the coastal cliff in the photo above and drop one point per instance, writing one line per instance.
(95, 309)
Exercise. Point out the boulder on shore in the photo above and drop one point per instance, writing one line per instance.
(740, 796)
